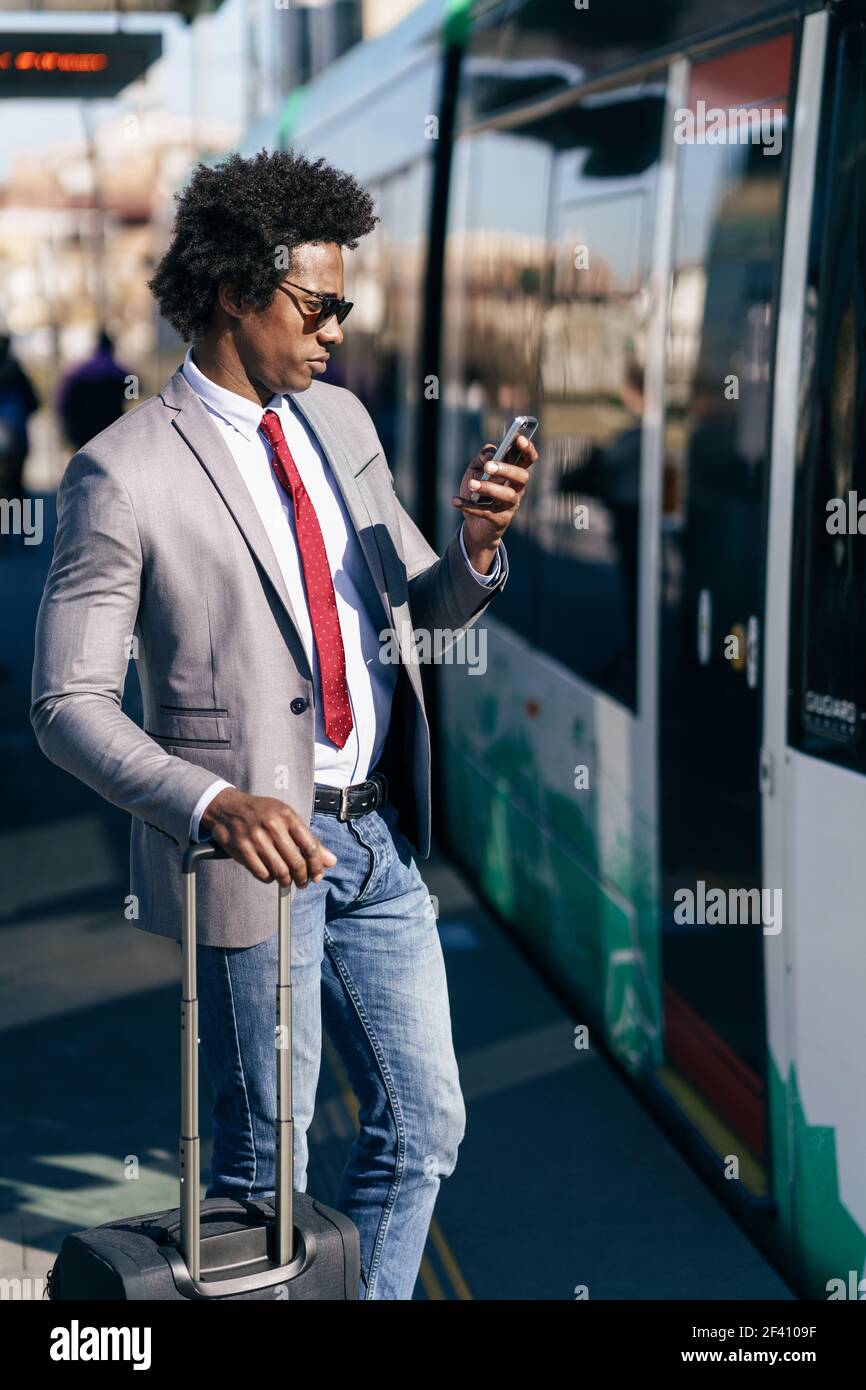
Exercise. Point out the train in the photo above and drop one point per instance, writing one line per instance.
(646, 225)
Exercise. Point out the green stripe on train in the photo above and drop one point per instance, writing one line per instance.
(457, 21)
(290, 114)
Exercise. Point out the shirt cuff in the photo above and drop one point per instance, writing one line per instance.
(487, 579)
(201, 806)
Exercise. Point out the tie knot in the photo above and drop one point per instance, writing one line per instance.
(271, 427)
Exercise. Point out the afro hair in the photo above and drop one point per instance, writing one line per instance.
(233, 221)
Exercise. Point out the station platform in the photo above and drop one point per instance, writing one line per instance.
(565, 1186)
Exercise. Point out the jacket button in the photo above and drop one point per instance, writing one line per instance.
(299, 705)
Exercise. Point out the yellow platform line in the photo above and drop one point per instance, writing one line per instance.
(721, 1138)
(449, 1260)
(433, 1288)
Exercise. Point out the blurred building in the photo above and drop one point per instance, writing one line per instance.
(379, 15)
(290, 41)
(76, 234)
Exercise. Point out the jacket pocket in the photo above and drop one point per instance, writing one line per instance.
(188, 726)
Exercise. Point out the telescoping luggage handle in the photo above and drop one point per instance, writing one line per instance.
(190, 1158)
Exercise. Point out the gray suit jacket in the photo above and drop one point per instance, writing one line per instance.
(161, 557)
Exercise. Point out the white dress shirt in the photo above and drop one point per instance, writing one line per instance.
(360, 610)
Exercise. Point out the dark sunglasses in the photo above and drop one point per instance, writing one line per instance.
(331, 304)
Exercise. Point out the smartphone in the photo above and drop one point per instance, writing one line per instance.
(507, 452)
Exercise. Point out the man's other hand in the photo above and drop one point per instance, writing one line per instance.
(267, 837)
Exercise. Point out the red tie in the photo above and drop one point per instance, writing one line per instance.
(321, 598)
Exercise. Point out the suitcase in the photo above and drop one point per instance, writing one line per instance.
(288, 1247)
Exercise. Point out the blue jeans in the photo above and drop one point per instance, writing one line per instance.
(367, 961)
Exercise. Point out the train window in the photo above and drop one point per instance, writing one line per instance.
(828, 628)
(546, 304)
(491, 324)
(587, 513)
(379, 358)
(726, 250)
(521, 49)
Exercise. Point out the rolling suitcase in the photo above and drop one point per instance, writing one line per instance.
(288, 1247)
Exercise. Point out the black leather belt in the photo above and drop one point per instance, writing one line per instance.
(356, 800)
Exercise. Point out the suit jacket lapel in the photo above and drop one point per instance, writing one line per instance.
(312, 406)
(201, 434)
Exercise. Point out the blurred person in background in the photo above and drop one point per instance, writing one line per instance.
(18, 401)
(92, 395)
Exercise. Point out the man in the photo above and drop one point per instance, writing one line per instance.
(240, 537)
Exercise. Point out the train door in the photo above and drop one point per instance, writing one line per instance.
(726, 257)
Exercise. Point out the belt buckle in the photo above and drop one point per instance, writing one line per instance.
(343, 813)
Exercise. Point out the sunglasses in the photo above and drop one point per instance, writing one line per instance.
(331, 304)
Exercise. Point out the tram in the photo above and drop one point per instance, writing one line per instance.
(646, 225)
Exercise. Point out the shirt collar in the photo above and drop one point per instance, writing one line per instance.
(243, 414)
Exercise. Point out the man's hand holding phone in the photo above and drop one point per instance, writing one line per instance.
(492, 488)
